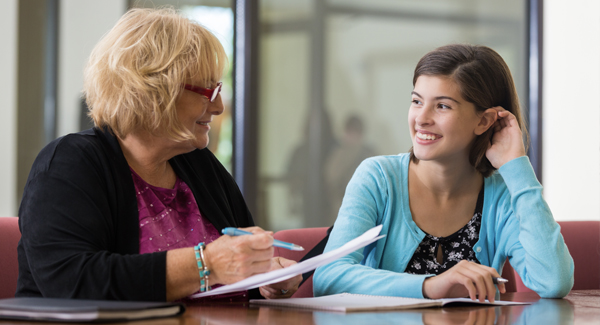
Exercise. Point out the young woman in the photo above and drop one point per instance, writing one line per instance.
(460, 203)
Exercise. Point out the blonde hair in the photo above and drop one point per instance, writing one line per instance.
(134, 75)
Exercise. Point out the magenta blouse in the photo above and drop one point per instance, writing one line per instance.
(170, 219)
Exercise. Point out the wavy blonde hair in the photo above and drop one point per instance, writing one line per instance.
(134, 75)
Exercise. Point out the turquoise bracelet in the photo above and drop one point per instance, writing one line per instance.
(203, 270)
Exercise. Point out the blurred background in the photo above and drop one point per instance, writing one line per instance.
(316, 86)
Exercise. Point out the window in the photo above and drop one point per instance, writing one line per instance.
(334, 88)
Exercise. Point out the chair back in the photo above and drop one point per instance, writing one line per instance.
(307, 238)
(9, 266)
(583, 241)
(509, 274)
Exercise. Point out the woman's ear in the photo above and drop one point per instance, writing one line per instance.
(486, 121)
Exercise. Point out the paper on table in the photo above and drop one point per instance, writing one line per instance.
(308, 265)
(347, 302)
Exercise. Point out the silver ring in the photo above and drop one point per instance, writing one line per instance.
(284, 291)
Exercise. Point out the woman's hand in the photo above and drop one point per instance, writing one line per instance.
(284, 289)
(507, 142)
(464, 279)
(234, 258)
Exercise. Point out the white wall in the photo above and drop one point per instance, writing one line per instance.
(571, 148)
(8, 107)
(82, 24)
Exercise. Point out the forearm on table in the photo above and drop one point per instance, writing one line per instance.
(345, 276)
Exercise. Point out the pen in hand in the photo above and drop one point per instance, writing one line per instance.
(231, 231)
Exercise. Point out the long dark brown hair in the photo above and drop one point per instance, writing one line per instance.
(484, 80)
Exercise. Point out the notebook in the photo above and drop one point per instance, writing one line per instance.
(347, 302)
(78, 310)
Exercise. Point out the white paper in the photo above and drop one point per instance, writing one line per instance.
(310, 264)
(347, 302)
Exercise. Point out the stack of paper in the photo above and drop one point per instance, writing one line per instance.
(308, 265)
(346, 302)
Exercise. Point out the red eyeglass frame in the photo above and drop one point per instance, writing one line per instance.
(209, 93)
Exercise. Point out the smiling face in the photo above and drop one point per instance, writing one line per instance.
(443, 125)
(195, 112)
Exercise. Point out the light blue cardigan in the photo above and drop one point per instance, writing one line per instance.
(516, 223)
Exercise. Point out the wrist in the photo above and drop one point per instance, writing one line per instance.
(425, 288)
(203, 270)
(208, 255)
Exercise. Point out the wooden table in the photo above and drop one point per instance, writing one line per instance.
(579, 307)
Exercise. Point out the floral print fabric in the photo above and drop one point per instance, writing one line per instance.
(455, 248)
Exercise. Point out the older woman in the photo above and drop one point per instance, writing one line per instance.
(132, 209)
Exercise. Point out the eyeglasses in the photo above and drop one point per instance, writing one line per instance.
(211, 94)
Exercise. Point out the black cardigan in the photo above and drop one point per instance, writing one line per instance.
(79, 219)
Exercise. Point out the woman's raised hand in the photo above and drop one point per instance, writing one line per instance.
(464, 279)
(507, 142)
(234, 258)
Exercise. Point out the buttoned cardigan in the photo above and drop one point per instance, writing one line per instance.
(516, 224)
(79, 219)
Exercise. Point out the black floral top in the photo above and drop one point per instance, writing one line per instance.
(456, 247)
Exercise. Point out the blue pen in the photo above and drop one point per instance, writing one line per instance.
(231, 231)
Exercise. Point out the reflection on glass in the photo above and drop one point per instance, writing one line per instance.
(341, 162)
(544, 311)
(483, 316)
(299, 167)
(401, 318)
(219, 20)
(547, 312)
(325, 62)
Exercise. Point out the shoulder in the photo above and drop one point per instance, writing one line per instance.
(80, 164)
(380, 174)
(201, 165)
(72, 149)
(495, 189)
(495, 183)
(386, 168)
(200, 158)
(386, 164)
(73, 140)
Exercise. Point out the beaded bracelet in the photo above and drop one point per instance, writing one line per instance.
(206, 270)
(203, 270)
